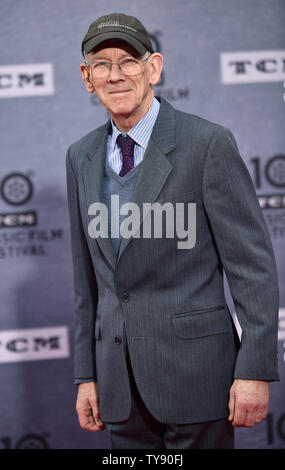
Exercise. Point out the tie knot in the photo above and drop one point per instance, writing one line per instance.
(126, 143)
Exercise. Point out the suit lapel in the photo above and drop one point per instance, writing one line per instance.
(93, 174)
(156, 167)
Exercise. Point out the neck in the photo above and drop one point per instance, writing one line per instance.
(125, 122)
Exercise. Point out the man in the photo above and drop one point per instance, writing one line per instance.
(157, 359)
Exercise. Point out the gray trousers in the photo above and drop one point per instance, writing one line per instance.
(142, 431)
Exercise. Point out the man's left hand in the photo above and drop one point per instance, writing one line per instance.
(248, 402)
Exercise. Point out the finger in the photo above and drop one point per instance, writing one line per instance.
(99, 422)
(231, 406)
(97, 418)
(96, 414)
(261, 414)
(250, 418)
(86, 421)
(92, 427)
(239, 414)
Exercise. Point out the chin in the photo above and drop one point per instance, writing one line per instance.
(121, 108)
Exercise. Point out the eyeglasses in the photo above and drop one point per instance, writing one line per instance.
(128, 66)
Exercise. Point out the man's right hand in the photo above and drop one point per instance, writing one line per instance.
(87, 407)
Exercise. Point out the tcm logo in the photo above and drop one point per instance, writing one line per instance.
(34, 344)
(252, 67)
(26, 80)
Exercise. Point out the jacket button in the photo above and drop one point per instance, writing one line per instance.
(125, 297)
(118, 339)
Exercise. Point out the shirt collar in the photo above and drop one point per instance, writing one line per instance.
(141, 132)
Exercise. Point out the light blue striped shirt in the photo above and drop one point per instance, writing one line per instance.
(140, 133)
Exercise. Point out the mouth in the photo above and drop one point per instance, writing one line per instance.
(118, 92)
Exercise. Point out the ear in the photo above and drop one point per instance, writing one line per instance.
(156, 62)
(86, 78)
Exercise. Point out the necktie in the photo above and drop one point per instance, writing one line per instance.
(126, 145)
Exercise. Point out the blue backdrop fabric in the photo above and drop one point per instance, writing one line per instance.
(224, 61)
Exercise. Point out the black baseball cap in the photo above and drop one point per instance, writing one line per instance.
(117, 26)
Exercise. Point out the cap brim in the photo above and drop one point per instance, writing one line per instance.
(93, 42)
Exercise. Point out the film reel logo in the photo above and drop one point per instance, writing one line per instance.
(16, 189)
(28, 441)
(275, 171)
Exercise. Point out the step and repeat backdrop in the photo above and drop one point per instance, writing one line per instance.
(225, 61)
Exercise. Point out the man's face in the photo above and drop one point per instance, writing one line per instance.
(122, 95)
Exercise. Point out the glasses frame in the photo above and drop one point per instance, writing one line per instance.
(110, 64)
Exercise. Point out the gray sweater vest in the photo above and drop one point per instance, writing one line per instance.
(121, 186)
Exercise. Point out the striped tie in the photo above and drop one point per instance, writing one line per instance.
(126, 145)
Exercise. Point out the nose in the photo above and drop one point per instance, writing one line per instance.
(115, 73)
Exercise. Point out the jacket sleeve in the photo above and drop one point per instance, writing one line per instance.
(85, 286)
(246, 253)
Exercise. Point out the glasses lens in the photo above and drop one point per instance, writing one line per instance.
(130, 67)
(100, 69)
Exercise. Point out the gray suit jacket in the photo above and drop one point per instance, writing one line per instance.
(183, 346)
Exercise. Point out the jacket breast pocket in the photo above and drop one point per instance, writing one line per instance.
(200, 323)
